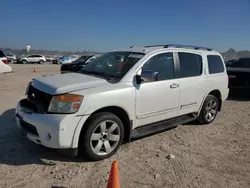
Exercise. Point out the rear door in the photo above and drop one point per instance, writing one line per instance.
(192, 82)
(30, 58)
(36, 58)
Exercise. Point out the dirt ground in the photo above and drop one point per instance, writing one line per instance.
(216, 155)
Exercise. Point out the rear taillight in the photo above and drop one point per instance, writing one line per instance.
(6, 61)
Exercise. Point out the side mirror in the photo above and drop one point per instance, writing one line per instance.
(147, 76)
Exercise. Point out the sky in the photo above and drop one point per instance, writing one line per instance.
(111, 24)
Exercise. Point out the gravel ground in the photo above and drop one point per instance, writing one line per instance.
(216, 155)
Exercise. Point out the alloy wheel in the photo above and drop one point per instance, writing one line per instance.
(211, 110)
(105, 137)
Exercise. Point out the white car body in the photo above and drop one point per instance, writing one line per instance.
(34, 58)
(143, 104)
(4, 68)
(11, 57)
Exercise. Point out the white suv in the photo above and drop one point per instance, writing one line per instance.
(33, 59)
(122, 95)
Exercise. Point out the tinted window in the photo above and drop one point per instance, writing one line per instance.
(1, 54)
(163, 64)
(242, 63)
(31, 56)
(190, 64)
(215, 64)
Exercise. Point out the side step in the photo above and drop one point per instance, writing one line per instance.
(160, 126)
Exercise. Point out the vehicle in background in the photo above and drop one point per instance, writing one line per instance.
(229, 62)
(73, 57)
(55, 59)
(4, 63)
(78, 64)
(34, 58)
(49, 59)
(122, 95)
(239, 74)
(11, 58)
(63, 60)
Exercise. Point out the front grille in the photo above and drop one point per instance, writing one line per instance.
(28, 127)
(40, 99)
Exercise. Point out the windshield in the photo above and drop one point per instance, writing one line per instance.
(241, 63)
(113, 64)
(82, 59)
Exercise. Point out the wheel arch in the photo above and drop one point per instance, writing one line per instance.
(216, 93)
(118, 111)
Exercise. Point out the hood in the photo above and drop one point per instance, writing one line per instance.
(64, 83)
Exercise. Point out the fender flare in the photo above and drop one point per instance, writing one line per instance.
(204, 98)
(85, 117)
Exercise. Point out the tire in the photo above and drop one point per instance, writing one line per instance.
(93, 141)
(24, 61)
(41, 61)
(210, 106)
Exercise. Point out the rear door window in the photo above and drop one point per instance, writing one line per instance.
(215, 64)
(190, 64)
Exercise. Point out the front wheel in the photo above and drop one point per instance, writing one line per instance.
(209, 110)
(24, 61)
(103, 136)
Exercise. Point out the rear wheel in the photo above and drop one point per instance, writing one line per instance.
(103, 136)
(209, 110)
(41, 61)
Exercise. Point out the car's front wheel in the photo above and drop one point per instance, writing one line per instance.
(24, 61)
(103, 136)
(209, 110)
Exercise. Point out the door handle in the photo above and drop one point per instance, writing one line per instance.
(174, 85)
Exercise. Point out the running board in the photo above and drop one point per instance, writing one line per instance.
(160, 126)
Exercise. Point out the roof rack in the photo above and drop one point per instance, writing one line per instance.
(187, 46)
(155, 46)
(176, 46)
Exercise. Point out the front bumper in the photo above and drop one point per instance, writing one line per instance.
(50, 130)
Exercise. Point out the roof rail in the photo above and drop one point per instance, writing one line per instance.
(187, 46)
(177, 46)
(158, 45)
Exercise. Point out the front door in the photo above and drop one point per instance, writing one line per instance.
(158, 100)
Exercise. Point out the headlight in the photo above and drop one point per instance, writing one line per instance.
(68, 103)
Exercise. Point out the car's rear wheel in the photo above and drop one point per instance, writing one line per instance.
(41, 61)
(103, 136)
(24, 61)
(209, 110)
